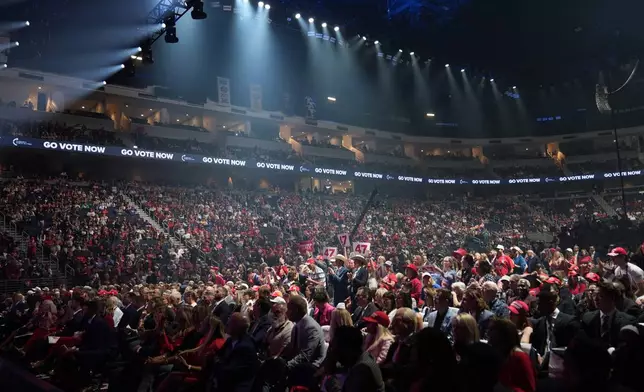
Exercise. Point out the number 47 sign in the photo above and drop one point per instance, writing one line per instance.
(361, 247)
(329, 252)
(344, 239)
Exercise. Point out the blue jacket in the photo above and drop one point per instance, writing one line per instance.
(340, 283)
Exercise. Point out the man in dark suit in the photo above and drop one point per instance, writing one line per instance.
(131, 312)
(220, 307)
(363, 374)
(605, 323)
(554, 329)
(236, 363)
(76, 323)
(262, 323)
(339, 280)
(360, 274)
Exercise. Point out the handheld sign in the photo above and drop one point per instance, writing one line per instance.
(306, 246)
(361, 247)
(329, 252)
(344, 239)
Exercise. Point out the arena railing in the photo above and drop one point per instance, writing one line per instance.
(25, 284)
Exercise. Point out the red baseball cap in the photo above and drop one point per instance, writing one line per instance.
(592, 277)
(310, 261)
(459, 251)
(553, 280)
(294, 288)
(585, 260)
(276, 293)
(412, 267)
(378, 317)
(619, 251)
(518, 307)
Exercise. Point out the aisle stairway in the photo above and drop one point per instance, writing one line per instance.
(176, 243)
(608, 209)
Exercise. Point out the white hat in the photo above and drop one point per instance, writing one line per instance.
(37, 288)
(389, 263)
(426, 274)
(517, 249)
(568, 250)
(341, 305)
(505, 278)
(278, 300)
(500, 247)
(30, 292)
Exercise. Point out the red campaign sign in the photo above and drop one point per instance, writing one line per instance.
(306, 246)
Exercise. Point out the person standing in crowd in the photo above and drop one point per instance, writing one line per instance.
(216, 297)
(441, 318)
(491, 298)
(605, 323)
(360, 275)
(307, 349)
(520, 264)
(395, 368)
(278, 336)
(316, 275)
(475, 305)
(339, 279)
(261, 320)
(323, 309)
(619, 256)
(553, 329)
(416, 285)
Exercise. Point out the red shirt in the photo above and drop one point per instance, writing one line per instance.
(416, 289)
(517, 373)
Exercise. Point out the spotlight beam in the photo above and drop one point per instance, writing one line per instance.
(163, 10)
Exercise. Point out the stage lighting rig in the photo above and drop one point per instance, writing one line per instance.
(197, 9)
(166, 13)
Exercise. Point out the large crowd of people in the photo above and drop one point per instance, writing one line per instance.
(260, 295)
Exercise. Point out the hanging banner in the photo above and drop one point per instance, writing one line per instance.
(344, 239)
(310, 107)
(329, 252)
(256, 97)
(223, 88)
(306, 246)
(361, 247)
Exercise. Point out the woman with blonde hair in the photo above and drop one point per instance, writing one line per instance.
(339, 317)
(379, 338)
(465, 332)
(112, 309)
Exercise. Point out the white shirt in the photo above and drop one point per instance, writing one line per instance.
(635, 274)
(118, 314)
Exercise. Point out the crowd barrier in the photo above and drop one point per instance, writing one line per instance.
(114, 151)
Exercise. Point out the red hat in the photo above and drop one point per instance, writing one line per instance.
(378, 317)
(619, 251)
(276, 293)
(573, 272)
(214, 268)
(553, 280)
(592, 277)
(518, 307)
(310, 261)
(459, 251)
(412, 267)
(585, 260)
(102, 293)
(255, 288)
(294, 288)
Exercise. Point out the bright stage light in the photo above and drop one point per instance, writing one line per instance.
(430, 114)
(267, 6)
(139, 49)
(4, 65)
(104, 83)
(376, 42)
(27, 23)
(323, 24)
(298, 16)
(163, 25)
(122, 66)
(399, 50)
(492, 80)
(17, 43)
(446, 65)
(260, 4)
(462, 69)
(364, 38)
(332, 99)
(411, 53)
(514, 87)
(336, 28)
(311, 20)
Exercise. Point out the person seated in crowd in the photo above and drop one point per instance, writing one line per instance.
(475, 305)
(379, 339)
(362, 372)
(517, 372)
(465, 332)
(236, 362)
(404, 325)
(363, 307)
(261, 320)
